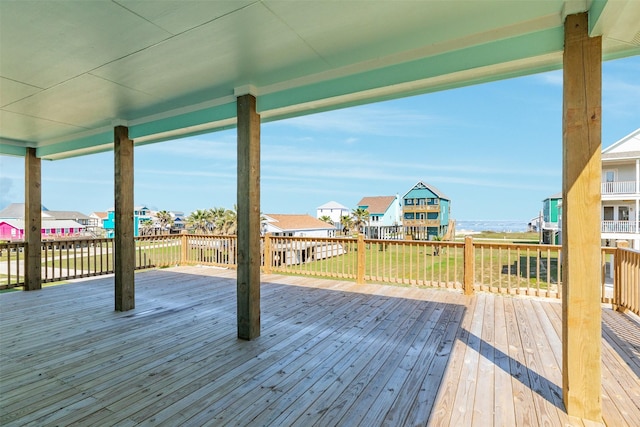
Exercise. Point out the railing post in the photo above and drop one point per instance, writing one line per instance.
(469, 263)
(618, 274)
(183, 248)
(267, 253)
(360, 260)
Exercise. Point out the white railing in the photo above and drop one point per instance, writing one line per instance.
(620, 227)
(619, 187)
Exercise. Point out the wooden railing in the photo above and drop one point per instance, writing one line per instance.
(627, 280)
(321, 257)
(209, 250)
(421, 208)
(12, 264)
(77, 258)
(619, 187)
(516, 269)
(158, 251)
(619, 227)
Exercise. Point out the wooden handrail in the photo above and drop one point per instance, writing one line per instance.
(514, 268)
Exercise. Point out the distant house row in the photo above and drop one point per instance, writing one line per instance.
(55, 224)
(423, 212)
(145, 222)
(72, 224)
(620, 196)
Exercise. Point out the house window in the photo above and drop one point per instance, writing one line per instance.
(609, 175)
(623, 213)
(409, 216)
(408, 202)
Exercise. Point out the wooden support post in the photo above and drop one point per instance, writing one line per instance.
(32, 221)
(184, 242)
(361, 260)
(268, 255)
(124, 243)
(248, 278)
(469, 264)
(581, 167)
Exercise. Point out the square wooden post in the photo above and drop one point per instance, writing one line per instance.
(32, 221)
(124, 243)
(268, 253)
(581, 176)
(248, 278)
(469, 264)
(184, 243)
(361, 260)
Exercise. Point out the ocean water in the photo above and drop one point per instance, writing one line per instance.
(492, 225)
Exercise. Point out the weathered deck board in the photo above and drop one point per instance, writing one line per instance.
(330, 353)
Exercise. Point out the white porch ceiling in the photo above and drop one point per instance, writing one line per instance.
(70, 70)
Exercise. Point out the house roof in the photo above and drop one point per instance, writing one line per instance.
(626, 147)
(377, 204)
(46, 224)
(101, 215)
(70, 71)
(16, 210)
(62, 215)
(421, 185)
(291, 222)
(333, 205)
(554, 196)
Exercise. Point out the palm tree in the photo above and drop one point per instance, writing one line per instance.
(199, 221)
(230, 221)
(165, 220)
(217, 220)
(360, 218)
(347, 223)
(326, 218)
(145, 227)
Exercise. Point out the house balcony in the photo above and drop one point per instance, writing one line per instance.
(620, 226)
(421, 222)
(619, 187)
(421, 208)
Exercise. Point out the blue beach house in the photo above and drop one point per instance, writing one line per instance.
(140, 213)
(425, 212)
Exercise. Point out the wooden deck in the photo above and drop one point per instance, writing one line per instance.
(331, 353)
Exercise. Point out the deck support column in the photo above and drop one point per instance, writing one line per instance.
(581, 177)
(248, 202)
(32, 221)
(124, 243)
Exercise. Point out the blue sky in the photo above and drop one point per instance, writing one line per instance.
(495, 149)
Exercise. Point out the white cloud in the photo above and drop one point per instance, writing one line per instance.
(553, 78)
(368, 120)
(221, 148)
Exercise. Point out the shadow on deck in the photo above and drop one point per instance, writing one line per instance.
(330, 353)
